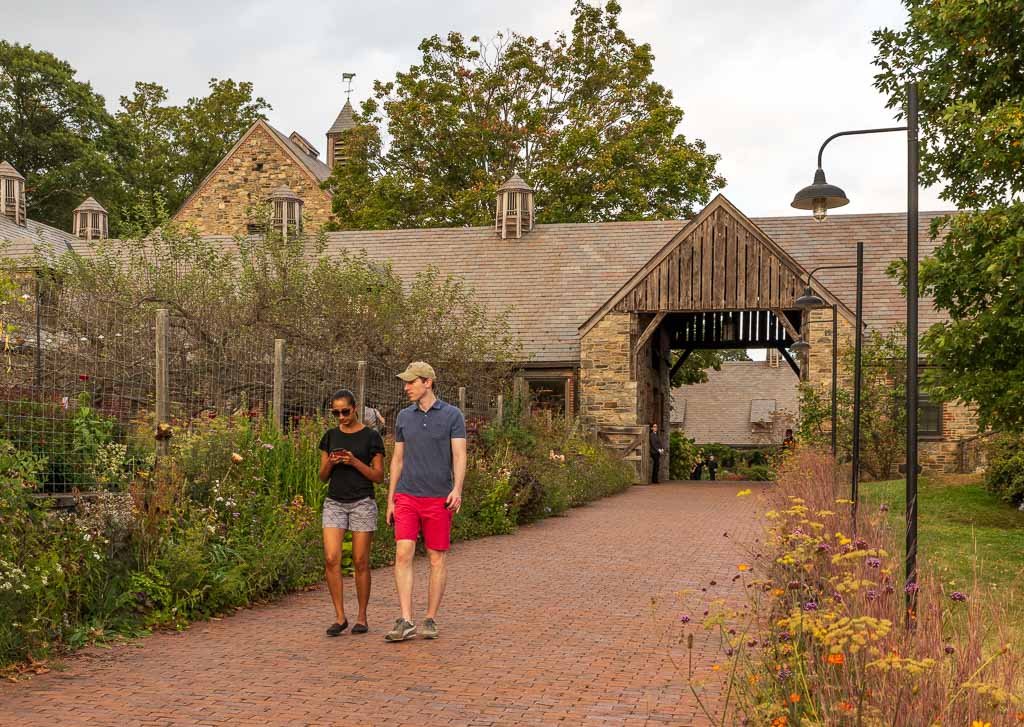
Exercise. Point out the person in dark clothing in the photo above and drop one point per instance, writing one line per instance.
(712, 466)
(657, 449)
(698, 469)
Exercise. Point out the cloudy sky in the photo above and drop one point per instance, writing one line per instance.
(762, 82)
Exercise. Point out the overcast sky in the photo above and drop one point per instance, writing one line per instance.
(762, 82)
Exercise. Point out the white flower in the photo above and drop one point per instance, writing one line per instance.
(96, 555)
(45, 580)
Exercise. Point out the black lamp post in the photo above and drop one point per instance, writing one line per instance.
(820, 197)
(808, 301)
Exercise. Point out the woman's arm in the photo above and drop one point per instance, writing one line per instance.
(374, 472)
(327, 462)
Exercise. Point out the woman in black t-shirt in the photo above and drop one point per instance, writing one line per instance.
(351, 460)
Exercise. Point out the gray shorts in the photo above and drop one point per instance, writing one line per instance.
(359, 516)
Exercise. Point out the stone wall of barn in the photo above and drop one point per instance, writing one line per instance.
(223, 204)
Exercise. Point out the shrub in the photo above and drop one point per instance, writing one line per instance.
(1005, 472)
(822, 639)
(683, 455)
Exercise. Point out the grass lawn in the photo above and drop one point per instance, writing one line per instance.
(961, 527)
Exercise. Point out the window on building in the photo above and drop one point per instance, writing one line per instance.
(547, 395)
(929, 416)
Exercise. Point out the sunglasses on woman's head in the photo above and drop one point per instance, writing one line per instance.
(341, 412)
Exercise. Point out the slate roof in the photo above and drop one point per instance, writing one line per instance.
(556, 276)
(320, 170)
(720, 409)
(21, 243)
(833, 242)
(346, 119)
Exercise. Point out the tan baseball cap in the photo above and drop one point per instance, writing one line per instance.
(417, 370)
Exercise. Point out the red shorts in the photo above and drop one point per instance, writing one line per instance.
(427, 513)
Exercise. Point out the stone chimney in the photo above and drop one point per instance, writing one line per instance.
(346, 120)
(514, 214)
(90, 221)
(12, 194)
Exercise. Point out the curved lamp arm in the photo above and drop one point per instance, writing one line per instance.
(856, 131)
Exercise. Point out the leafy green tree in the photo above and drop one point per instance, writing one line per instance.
(207, 127)
(967, 58)
(55, 130)
(883, 405)
(577, 115)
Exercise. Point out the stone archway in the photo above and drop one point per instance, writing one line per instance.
(720, 283)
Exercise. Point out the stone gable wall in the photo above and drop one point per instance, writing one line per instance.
(221, 205)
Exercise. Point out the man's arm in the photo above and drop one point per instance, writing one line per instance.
(454, 501)
(397, 459)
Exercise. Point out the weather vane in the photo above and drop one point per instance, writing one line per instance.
(347, 77)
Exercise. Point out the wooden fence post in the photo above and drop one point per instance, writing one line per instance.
(360, 389)
(163, 403)
(462, 399)
(501, 410)
(279, 384)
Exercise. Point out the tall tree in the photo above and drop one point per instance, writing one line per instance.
(967, 58)
(55, 130)
(207, 127)
(579, 116)
(695, 369)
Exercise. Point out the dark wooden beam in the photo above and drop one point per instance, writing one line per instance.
(679, 362)
(789, 359)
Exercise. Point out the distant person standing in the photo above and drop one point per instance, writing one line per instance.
(712, 466)
(428, 468)
(788, 442)
(657, 449)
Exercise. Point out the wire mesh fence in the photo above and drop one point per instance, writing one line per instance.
(81, 385)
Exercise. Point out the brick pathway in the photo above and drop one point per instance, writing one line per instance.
(569, 621)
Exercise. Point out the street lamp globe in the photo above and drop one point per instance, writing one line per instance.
(800, 346)
(819, 197)
(809, 299)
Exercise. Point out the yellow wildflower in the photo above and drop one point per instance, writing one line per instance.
(743, 493)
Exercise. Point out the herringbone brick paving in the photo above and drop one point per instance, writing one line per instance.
(569, 621)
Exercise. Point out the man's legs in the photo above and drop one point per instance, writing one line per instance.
(404, 552)
(655, 467)
(361, 563)
(333, 537)
(438, 578)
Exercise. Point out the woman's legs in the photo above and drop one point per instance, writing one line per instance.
(361, 564)
(333, 538)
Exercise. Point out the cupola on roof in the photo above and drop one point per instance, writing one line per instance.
(513, 214)
(90, 221)
(12, 194)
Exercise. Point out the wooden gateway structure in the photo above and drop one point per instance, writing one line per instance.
(720, 283)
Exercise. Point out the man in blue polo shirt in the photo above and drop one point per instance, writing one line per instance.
(428, 467)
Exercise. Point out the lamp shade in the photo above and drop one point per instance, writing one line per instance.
(819, 196)
(809, 299)
(800, 346)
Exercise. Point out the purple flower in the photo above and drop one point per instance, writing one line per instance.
(948, 649)
(883, 507)
(910, 588)
(784, 673)
(268, 445)
(684, 619)
(236, 514)
(957, 596)
(811, 606)
(824, 548)
(837, 598)
(889, 589)
(784, 636)
(728, 652)
(752, 643)
(873, 562)
(872, 594)
(860, 543)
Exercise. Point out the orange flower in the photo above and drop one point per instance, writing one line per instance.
(836, 659)
(846, 706)
(979, 723)
(743, 566)
(715, 667)
(780, 721)
(794, 697)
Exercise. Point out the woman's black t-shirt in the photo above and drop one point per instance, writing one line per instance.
(346, 483)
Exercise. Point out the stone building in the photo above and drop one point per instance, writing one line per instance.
(597, 306)
(265, 167)
(745, 404)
